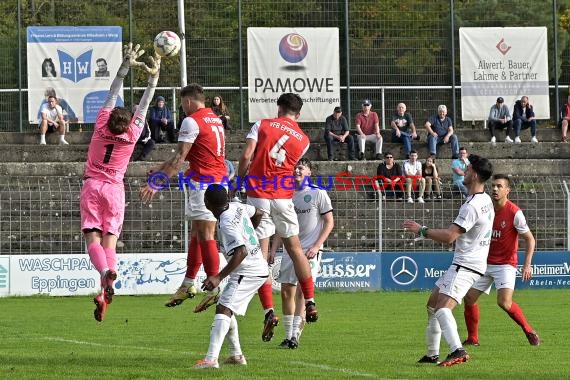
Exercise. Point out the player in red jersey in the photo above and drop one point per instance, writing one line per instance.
(508, 224)
(273, 147)
(102, 199)
(201, 142)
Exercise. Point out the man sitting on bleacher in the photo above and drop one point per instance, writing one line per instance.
(52, 120)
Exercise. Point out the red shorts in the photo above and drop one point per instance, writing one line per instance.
(102, 206)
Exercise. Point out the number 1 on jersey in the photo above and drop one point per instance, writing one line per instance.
(108, 151)
(277, 152)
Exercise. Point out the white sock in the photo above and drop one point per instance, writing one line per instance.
(42, 138)
(288, 326)
(433, 333)
(220, 328)
(188, 282)
(448, 328)
(61, 137)
(233, 338)
(297, 322)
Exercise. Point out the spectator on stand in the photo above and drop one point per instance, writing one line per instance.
(413, 173)
(368, 128)
(336, 131)
(161, 122)
(523, 118)
(500, 118)
(403, 128)
(145, 142)
(431, 175)
(220, 109)
(458, 168)
(51, 121)
(393, 175)
(440, 131)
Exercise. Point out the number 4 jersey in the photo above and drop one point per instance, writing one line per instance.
(109, 154)
(280, 145)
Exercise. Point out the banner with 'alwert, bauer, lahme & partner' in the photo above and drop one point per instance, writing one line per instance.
(505, 62)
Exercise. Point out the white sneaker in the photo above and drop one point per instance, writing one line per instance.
(63, 142)
(508, 140)
(421, 200)
(517, 140)
(534, 140)
(383, 197)
(410, 200)
(493, 140)
(42, 143)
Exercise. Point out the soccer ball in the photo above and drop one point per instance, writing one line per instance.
(167, 44)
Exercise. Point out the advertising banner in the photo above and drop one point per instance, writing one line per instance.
(505, 62)
(420, 270)
(304, 61)
(348, 271)
(66, 275)
(77, 63)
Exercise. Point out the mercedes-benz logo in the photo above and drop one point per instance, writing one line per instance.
(404, 270)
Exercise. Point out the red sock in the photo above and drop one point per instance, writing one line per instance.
(211, 257)
(471, 314)
(266, 295)
(111, 255)
(194, 258)
(97, 256)
(307, 287)
(517, 315)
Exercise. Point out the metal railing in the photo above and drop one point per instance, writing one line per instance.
(40, 215)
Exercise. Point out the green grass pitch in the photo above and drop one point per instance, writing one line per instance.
(376, 335)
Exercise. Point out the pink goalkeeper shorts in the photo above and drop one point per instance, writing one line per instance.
(102, 206)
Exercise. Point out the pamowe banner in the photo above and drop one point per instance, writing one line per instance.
(304, 61)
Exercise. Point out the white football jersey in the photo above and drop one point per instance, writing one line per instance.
(310, 203)
(476, 218)
(235, 230)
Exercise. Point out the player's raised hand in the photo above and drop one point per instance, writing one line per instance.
(131, 54)
(154, 65)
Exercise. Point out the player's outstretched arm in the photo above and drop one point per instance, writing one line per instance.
(130, 55)
(153, 70)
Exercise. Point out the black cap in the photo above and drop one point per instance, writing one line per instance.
(337, 109)
(500, 100)
(366, 102)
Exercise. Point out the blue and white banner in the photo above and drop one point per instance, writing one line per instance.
(153, 273)
(300, 60)
(348, 271)
(420, 270)
(505, 62)
(67, 275)
(77, 63)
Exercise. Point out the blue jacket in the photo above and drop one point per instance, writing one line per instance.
(156, 114)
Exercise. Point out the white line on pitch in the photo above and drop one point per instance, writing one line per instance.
(336, 369)
(73, 341)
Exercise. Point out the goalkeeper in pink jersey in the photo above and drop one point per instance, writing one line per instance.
(102, 199)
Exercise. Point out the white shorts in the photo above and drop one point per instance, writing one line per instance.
(504, 277)
(456, 281)
(239, 291)
(287, 273)
(279, 216)
(195, 207)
